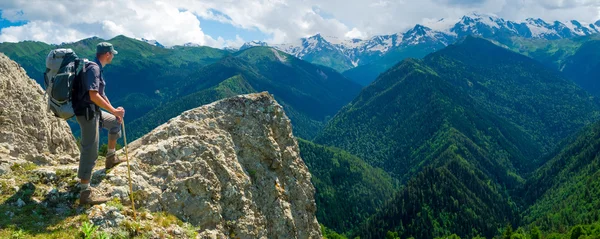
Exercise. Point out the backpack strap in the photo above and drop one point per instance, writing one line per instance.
(83, 69)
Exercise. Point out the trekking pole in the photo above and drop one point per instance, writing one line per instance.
(128, 169)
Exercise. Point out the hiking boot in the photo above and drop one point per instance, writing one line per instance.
(112, 161)
(91, 197)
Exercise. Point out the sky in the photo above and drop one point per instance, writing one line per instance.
(221, 23)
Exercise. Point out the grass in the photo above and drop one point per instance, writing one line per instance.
(88, 230)
(23, 168)
(39, 217)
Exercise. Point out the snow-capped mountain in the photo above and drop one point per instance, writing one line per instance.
(355, 52)
(253, 44)
(421, 34)
(191, 44)
(151, 42)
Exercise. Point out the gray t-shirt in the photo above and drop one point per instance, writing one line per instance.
(92, 80)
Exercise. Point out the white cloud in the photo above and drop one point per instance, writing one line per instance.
(175, 21)
(41, 31)
(238, 42)
(158, 20)
(354, 33)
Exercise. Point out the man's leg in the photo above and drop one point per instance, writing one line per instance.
(110, 123)
(87, 159)
(89, 147)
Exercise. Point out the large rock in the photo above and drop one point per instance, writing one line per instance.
(28, 131)
(232, 168)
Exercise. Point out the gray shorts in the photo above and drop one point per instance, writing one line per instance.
(89, 140)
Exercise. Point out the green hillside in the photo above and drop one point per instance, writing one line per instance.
(310, 94)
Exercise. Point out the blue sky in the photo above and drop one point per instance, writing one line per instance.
(228, 31)
(5, 23)
(220, 23)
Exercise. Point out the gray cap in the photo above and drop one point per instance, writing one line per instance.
(104, 47)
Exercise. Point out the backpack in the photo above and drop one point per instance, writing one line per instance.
(62, 68)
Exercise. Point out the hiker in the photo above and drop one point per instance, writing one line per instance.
(88, 98)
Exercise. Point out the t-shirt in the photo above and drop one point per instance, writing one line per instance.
(93, 79)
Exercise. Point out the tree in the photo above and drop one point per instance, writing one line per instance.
(535, 233)
(507, 232)
(576, 232)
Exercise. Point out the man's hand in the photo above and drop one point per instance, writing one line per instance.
(119, 113)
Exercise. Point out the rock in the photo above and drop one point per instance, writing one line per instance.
(232, 166)
(52, 195)
(28, 131)
(105, 216)
(20, 203)
(46, 175)
(62, 209)
(5, 168)
(66, 159)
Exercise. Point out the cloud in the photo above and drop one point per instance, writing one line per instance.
(587, 11)
(41, 31)
(461, 2)
(282, 21)
(71, 21)
(354, 33)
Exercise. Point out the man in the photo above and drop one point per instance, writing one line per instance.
(87, 101)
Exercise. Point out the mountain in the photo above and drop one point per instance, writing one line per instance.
(362, 58)
(437, 130)
(459, 129)
(152, 42)
(576, 58)
(319, 51)
(583, 67)
(415, 43)
(348, 190)
(252, 44)
(513, 87)
(310, 94)
(230, 87)
(441, 201)
(564, 191)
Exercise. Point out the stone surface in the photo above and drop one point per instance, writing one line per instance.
(105, 216)
(28, 131)
(231, 168)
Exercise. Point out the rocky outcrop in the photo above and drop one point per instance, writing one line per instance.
(231, 168)
(28, 131)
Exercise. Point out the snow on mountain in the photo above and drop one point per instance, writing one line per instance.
(422, 34)
(351, 44)
(191, 44)
(151, 42)
(539, 28)
(291, 49)
(580, 29)
(433, 32)
(253, 44)
(442, 25)
(314, 43)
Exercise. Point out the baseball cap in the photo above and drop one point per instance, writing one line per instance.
(104, 47)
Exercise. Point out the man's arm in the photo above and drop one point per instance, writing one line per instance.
(104, 104)
(107, 101)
